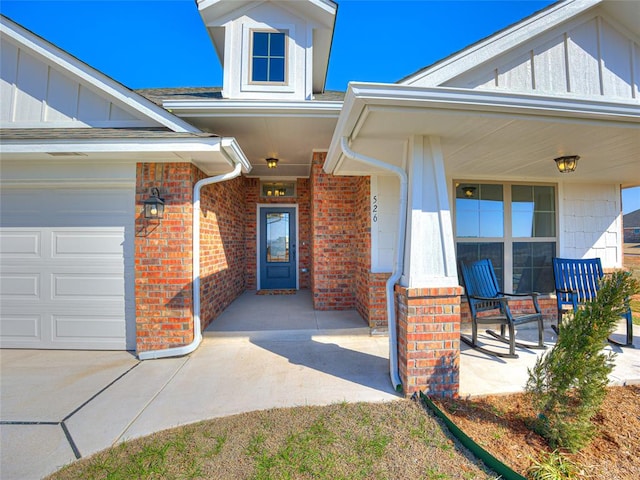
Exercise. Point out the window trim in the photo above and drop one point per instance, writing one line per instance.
(246, 84)
(508, 239)
(286, 57)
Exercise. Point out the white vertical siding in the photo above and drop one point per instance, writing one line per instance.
(32, 88)
(8, 73)
(616, 58)
(589, 57)
(592, 223)
(35, 93)
(385, 192)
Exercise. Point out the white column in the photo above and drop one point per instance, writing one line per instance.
(430, 259)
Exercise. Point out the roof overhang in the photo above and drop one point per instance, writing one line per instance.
(212, 155)
(289, 131)
(488, 135)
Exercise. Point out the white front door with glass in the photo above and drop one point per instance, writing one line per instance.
(277, 248)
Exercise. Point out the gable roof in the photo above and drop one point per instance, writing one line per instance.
(84, 74)
(519, 34)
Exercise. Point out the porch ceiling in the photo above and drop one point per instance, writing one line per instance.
(288, 131)
(481, 140)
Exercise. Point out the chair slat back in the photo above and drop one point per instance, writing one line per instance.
(579, 275)
(480, 280)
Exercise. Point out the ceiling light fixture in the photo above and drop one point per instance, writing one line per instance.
(567, 164)
(272, 162)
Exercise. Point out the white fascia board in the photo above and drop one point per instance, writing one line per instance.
(316, 109)
(498, 43)
(88, 75)
(234, 153)
(394, 98)
(114, 146)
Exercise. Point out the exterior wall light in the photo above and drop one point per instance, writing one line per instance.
(567, 164)
(154, 205)
(272, 162)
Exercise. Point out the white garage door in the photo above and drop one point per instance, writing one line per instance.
(66, 267)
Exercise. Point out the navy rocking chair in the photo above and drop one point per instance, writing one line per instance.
(577, 282)
(484, 296)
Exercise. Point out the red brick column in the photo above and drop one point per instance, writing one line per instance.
(333, 228)
(163, 258)
(428, 321)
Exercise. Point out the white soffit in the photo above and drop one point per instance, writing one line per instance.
(83, 73)
(489, 135)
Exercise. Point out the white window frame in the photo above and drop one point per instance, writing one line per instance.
(247, 85)
(508, 239)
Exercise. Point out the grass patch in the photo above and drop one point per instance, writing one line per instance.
(344, 441)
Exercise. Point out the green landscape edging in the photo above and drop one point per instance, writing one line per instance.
(489, 460)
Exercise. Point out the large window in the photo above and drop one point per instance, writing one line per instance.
(268, 59)
(512, 224)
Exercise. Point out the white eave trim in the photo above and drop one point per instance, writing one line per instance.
(393, 97)
(87, 74)
(239, 108)
(498, 43)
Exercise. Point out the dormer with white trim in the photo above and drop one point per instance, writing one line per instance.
(271, 50)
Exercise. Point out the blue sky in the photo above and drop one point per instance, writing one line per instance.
(162, 43)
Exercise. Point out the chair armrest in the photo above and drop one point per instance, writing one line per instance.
(533, 295)
(528, 294)
(572, 292)
(502, 300)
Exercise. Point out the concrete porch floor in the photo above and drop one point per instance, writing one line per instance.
(264, 351)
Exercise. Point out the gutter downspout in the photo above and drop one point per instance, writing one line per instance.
(399, 260)
(197, 334)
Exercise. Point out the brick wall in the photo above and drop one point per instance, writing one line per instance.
(428, 323)
(303, 200)
(222, 246)
(163, 258)
(362, 245)
(333, 238)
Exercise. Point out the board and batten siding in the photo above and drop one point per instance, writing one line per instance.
(34, 93)
(591, 223)
(385, 193)
(591, 56)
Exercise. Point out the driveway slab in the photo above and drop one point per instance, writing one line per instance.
(48, 385)
(32, 451)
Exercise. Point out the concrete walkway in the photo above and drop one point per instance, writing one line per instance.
(56, 406)
(262, 352)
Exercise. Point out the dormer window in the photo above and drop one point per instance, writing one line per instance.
(268, 57)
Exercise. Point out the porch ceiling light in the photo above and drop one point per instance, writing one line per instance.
(469, 192)
(567, 164)
(154, 205)
(272, 162)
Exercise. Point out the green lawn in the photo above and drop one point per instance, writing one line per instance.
(391, 440)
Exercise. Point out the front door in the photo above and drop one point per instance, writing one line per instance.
(277, 248)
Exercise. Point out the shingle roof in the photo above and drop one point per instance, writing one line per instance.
(95, 133)
(158, 95)
(631, 219)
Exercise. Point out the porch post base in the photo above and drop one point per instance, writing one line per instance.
(429, 339)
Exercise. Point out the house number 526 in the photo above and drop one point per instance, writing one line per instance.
(374, 209)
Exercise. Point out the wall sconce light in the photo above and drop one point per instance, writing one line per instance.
(154, 205)
(272, 162)
(567, 164)
(469, 192)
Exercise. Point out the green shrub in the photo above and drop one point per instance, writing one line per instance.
(568, 384)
